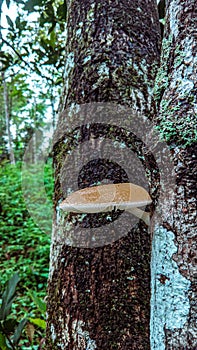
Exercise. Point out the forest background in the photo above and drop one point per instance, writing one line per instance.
(31, 77)
(32, 60)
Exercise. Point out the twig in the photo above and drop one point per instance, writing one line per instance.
(22, 59)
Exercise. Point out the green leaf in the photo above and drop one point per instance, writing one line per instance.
(18, 22)
(38, 302)
(8, 296)
(10, 22)
(30, 4)
(8, 3)
(38, 322)
(3, 344)
(49, 10)
(18, 331)
(62, 11)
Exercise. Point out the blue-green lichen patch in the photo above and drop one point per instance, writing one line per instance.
(170, 290)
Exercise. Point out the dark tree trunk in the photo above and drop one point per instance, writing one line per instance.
(99, 298)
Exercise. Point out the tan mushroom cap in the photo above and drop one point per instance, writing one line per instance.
(95, 199)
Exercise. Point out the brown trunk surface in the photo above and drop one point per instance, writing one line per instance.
(99, 298)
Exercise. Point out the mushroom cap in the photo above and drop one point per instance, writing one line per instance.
(103, 198)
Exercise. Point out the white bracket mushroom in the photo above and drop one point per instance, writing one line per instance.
(97, 199)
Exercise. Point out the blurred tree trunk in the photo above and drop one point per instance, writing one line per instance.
(7, 119)
(174, 272)
(100, 298)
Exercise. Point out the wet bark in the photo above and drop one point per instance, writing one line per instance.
(99, 298)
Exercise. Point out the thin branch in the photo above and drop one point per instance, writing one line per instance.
(26, 63)
(16, 52)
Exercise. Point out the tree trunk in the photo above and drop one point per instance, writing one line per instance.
(174, 292)
(99, 295)
(7, 118)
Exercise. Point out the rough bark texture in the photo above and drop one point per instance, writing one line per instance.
(99, 298)
(114, 48)
(174, 291)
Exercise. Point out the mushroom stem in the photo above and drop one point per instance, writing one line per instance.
(143, 215)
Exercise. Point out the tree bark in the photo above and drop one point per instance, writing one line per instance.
(7, 119)
(99, 298)
(174, 292)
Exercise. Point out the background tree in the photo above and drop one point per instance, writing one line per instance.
(33, 87)
(23, 113)
(31, 46)
(7, 119)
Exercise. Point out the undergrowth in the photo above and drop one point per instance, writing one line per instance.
(24, 250)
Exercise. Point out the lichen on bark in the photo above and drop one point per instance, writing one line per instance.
(176, 78)
(176, 120)
(112, 55)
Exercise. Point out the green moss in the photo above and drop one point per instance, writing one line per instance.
(174, 126)
(176, 120)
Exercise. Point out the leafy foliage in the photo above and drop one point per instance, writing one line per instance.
(25, 249)
(32, 54)
(27, 46)
(32, 60)
(11, 328)
(8, 296)
(10, 325)
(36, 42)
(27, 113)
(23, 244)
